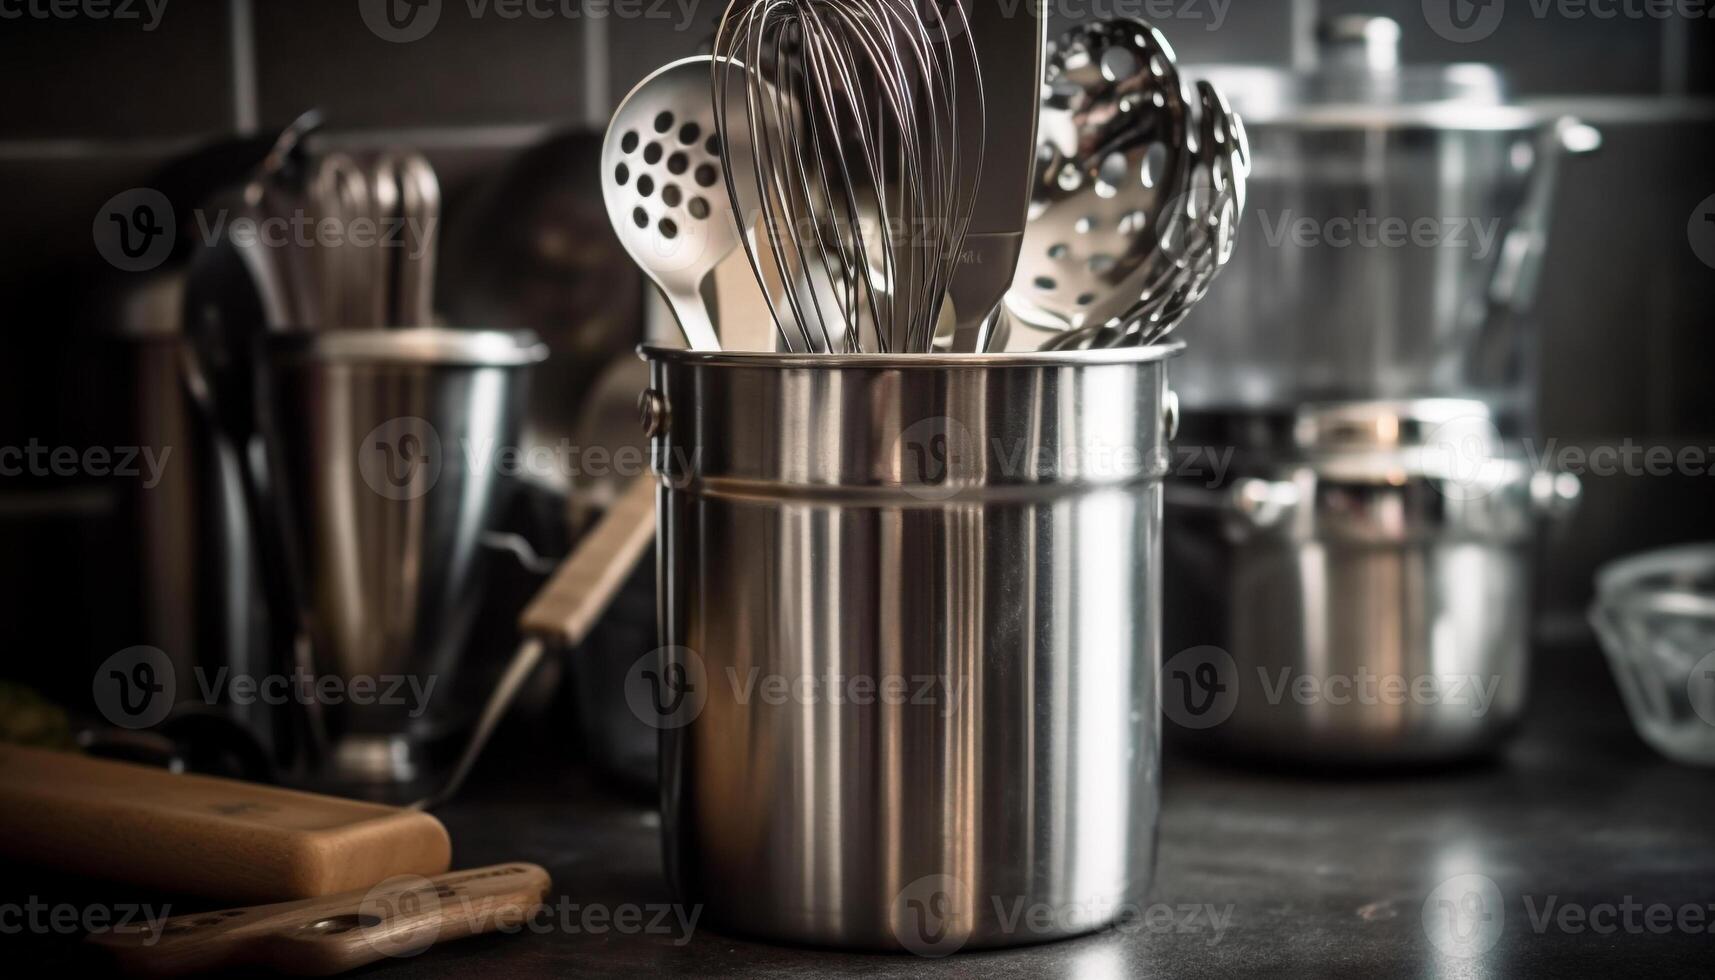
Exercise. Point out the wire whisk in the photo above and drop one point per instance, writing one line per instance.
(854, 205)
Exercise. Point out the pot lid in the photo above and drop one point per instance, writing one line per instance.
(1359, 81)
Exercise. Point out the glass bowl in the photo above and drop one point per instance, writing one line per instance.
(1655, 614)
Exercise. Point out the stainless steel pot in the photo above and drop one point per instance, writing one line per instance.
(979, 536)
(1399, 216)
(1359, 589)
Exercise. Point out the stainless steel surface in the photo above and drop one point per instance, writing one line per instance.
(1011, 46)
(986, 526)
(1362, 593)
(405, 204)
(370, 436)
(331, 242)
(420, 208)
(866, 125)
(386, 207)
(1655, 614)
(348, 274)
(662, 173)
(1399, 214)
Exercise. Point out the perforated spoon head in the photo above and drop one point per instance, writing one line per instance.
(665, 190)
(1114, 159)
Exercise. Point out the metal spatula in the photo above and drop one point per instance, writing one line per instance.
(1010, 44)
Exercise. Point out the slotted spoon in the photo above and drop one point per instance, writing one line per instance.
(1113, 168)
(665, 190)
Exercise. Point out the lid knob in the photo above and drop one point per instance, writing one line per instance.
(1359, 41)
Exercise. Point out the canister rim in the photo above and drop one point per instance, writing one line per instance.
(1154, 353)
(441, 346)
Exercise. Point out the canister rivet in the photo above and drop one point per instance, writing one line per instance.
(652, 412)
(1170, 413)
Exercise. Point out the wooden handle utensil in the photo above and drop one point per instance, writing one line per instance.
(399, 917)
(575, 598)
(200, 835)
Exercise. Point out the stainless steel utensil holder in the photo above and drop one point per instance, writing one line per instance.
(951, 565)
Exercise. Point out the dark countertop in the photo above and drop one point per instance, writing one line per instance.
(1309, 874)
(1314, 874)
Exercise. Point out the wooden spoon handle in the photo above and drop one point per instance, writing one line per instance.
(580, 591)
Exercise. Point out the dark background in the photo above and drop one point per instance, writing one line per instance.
(94, 108)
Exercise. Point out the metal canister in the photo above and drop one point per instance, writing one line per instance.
(383, 471)
(910, 616)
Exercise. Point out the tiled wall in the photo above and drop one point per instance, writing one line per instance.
(93, 107)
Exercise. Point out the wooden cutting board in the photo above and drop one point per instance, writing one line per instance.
(199, 835)
(399, 917)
